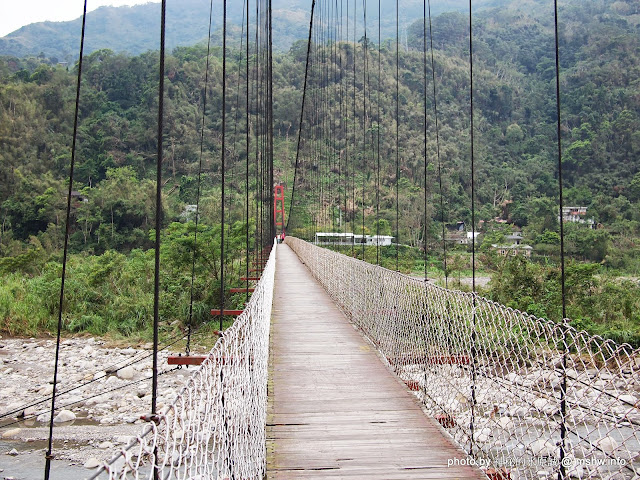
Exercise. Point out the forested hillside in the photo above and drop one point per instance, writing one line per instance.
(515, 156)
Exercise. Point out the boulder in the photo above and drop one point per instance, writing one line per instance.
(92, 463)
(126, 373)
(64, 416)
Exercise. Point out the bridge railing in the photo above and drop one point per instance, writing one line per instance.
(524, 397)
(215, 427)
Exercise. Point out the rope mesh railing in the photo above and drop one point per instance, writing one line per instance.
(495, 377)
(215, 427)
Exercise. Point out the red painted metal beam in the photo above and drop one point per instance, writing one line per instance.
(216, 311)
(241, 290)
(185, 360)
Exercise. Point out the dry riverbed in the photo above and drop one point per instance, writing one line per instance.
(98, 416)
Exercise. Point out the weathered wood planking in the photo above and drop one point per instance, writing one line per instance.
(335, 410)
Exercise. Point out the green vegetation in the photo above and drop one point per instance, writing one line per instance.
(516, 187)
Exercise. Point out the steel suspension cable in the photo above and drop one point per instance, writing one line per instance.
(378, 142)
(435, 113)
(48, 454)
(199, 183)
(563, 389)
(304, 95)
(397, 136)
(364, 120)
(223, 159)
(353, 104)
(424, 146)
(473, 233)
(247, 140)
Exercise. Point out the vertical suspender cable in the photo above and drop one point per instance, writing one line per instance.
(195, 235)
(304, 95)
(424, 101)
(364, 120)
(246, 176)
(473, 233)
(271, 193)
(223, 156)
(48, 455)
(353, 160)
(156, 289)
(397, 135)
(435, 113)
(563, 389)
(378, 142)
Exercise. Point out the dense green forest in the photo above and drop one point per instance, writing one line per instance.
(515, 152)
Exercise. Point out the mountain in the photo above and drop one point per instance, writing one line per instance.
(136, 29)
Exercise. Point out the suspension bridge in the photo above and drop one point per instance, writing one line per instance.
(338, 368)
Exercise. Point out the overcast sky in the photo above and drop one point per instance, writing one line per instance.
(17, 13)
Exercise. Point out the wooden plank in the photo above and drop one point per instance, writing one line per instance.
(335, 409)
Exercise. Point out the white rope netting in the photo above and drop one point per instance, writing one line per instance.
(526, 397)
(215, 427)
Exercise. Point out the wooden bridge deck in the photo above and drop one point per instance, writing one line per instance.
(335, 410)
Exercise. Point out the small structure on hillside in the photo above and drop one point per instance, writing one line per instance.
(514, 246)
(348, 238)
(577, 215)
(513, 250)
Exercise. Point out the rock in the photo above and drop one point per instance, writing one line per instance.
(542, 448)
(46, 390)
(608, 444)
(577, 472)
(11, 433)
(628, 399)
(91, 463)
(13, 452)
(513, 377)
(126, 373)
(88, 350)
(64, 416)
(517, 411)
(126, 439)
(98, 375)
(506, 423)
(540, 404)
(105, 445)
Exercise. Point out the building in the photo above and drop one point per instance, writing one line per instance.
(347, 238)
(461, 238)
(577, 215)
(513, 250)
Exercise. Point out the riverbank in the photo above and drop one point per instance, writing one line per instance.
(103, 391)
